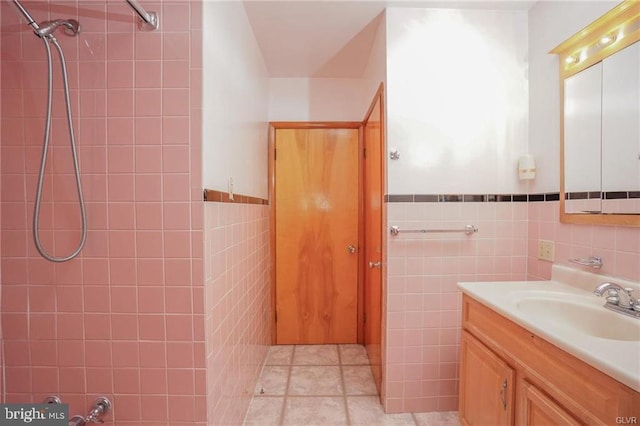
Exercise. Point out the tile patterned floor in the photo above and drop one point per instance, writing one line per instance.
(325, 385)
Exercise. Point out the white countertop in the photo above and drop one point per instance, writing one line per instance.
(619, 359)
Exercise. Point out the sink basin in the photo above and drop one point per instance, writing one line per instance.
(581, 315)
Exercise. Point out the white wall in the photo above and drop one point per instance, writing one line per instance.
(318, 99)
(550, 23)
(376, 69)
(457, 100)
(330, 99)
(235, 102)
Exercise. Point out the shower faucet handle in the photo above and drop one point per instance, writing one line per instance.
(101, 407)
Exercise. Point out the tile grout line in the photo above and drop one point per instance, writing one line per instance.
(330, 365)
(321, 395)
(286, 389)
(344, 387)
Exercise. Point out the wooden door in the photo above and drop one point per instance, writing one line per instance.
(373, 197)
(486, 385)
(537, 409)
(316, 227)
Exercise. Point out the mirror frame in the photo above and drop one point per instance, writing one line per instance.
(584, 45)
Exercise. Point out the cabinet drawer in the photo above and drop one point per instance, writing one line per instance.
(589, 395)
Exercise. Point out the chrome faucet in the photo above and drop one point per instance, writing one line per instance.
(627, 305)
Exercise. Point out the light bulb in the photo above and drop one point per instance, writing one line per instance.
(607, 39)
(573, 59)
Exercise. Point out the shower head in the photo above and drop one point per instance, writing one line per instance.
(71, 27)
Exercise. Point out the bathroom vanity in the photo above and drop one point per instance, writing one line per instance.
(547, 352)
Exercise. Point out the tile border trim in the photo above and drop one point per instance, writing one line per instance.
(211, 195)
(608, 195)
(470, 198)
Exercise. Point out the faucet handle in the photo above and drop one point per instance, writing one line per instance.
(613, 297)
(633, 302)
(101, 407)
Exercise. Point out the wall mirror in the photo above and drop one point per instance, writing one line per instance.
(600, 120)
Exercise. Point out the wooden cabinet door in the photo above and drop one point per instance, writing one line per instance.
(486, 385)
(316, 227)
(535, 408)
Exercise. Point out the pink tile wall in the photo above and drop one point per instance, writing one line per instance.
(126, 318)
(618, 246)
(423, 306)
(238, 306)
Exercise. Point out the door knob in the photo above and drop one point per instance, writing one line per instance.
(375, 264)
(352, 249)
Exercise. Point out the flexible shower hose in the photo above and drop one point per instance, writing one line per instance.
(45, 149)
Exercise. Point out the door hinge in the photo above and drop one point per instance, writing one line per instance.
(364, 152)
(364, 317)
(276, 316)
(275, 154)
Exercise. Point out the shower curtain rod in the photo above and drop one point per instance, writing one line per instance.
(149, 21)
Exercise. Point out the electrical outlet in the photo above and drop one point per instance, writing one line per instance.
(546, 250)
